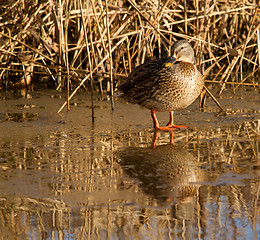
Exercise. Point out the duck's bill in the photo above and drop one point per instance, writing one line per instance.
(171, 61)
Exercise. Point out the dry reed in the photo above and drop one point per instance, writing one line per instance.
(94, 44)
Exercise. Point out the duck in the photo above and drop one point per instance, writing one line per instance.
(166, 84)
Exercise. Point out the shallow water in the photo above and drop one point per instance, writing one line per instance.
(63, 178)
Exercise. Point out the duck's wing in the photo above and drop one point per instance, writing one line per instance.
(141, 79)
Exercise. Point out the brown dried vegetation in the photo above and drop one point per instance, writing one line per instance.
(96, 43)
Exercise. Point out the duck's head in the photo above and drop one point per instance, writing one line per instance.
(181, 51)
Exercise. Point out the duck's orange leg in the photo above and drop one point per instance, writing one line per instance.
(169, 127)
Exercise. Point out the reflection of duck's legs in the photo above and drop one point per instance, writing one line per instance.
(169, 127)
(171, 138)
(155, 137)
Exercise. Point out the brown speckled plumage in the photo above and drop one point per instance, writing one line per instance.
(161, 87)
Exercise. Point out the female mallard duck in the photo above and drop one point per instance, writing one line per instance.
(165, 84)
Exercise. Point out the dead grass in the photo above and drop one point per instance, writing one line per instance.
(94, 44)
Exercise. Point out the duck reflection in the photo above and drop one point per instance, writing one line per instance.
(169, 174)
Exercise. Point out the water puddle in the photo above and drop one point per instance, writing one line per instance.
(63, 178)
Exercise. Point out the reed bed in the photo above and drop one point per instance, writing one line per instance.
(95, 44)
